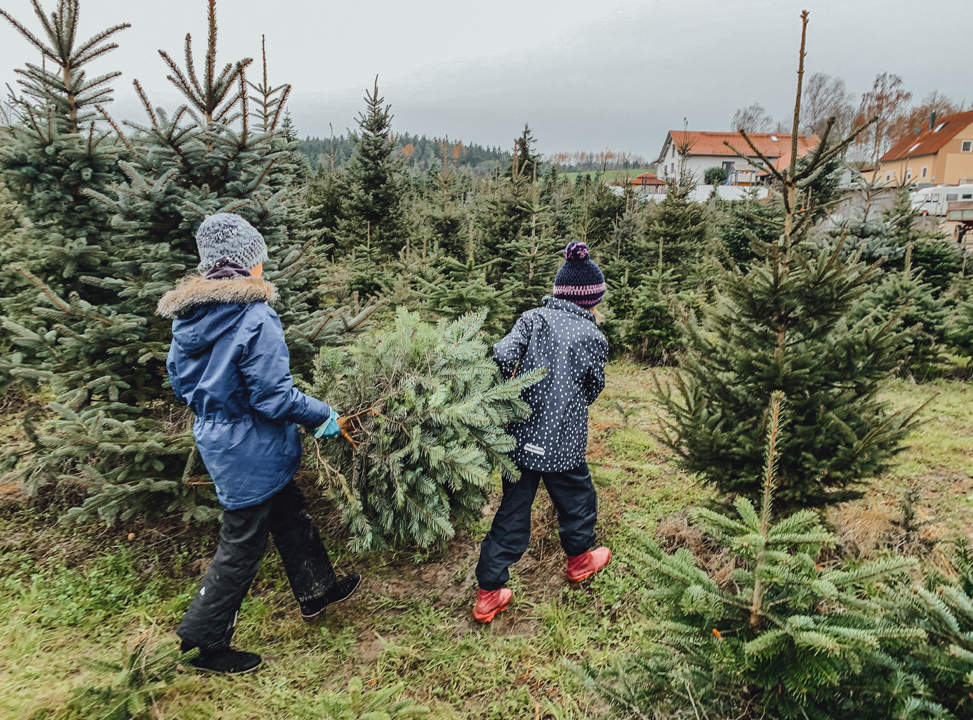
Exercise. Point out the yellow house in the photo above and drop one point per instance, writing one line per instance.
(941, 154)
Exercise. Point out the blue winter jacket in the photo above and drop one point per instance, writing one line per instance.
(229, 362)
(563, 338)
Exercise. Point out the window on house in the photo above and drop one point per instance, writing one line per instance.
(940, 126)
(773, 138)
(925, 171)
(908, 174)
(967, 146)
(888, 176)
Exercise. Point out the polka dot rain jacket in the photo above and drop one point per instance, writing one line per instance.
(563, 338)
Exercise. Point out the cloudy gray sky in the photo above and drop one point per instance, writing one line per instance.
(586, 74)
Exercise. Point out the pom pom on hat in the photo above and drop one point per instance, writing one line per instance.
(576, 251)
(579, 279)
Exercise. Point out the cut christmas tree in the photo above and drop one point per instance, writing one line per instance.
(427, 413)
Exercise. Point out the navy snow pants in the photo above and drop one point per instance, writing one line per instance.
(576, 502)
(210, 620)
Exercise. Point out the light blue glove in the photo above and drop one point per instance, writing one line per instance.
(329, 429)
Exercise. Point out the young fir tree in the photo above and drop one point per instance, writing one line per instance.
(598, 210)
(748, 221)
(943, 608)
(373, 216)
(941, 263)
(923, 316)
(49, 156)
(12, 243)
(675, 235)
(526, 163)
(448, 226)
(864, 234)
(651, 331)
(427, 411)
(506, 213)
(780, 637)
(533, 259)
(784, 325)
(118, 432)
(461, 288)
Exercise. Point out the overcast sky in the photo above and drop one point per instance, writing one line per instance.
(585, 74)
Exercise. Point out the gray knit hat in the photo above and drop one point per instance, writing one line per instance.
(229, 235)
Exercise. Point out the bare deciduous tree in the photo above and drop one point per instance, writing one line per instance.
(752, 119)
(886, 101)
(919, 116)
(826, 97)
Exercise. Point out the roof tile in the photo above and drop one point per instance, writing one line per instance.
(773, 145)
(930, 140)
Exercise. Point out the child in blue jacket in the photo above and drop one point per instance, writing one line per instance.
(229, 362)
(563, 337)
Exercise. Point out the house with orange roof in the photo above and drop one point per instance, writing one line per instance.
(939, 154)
(649, 184)
(699, 151)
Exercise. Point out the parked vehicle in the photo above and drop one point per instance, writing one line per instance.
(935, 200)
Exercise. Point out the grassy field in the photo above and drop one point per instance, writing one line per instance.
(69, 595)
(611, 176)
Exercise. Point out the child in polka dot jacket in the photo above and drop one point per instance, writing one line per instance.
(563, 337)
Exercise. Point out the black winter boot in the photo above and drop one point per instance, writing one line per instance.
(225, 661)
(339, 592)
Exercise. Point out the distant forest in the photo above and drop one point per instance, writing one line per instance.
(420, 152)
(424, 154)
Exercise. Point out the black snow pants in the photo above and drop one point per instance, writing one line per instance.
(576, 502)
(210, 620)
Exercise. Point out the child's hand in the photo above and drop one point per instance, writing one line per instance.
(329, 429)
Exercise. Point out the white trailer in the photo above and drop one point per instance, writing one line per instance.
(935, 200)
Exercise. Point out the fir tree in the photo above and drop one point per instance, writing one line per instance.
(461, 288)
(652, 332)
(405, 282)
(943, 608)
(525, 162)
(781, 637)
(532, 258)
(51, 156)
(748, 221)
(449, 226)
(923, 316)
(373, 215)
(598, 210)
(13, 240)
(675, 237)
(117, 431)
(784, 325)
(426, 410)
(504, 215)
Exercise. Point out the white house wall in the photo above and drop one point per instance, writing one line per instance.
(697, 165)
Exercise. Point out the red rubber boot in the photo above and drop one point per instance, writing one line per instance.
(490, 602)
(581, 567)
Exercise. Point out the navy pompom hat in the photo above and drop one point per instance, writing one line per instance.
(579, 279)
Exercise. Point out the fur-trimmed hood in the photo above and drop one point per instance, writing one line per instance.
(196, 292)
